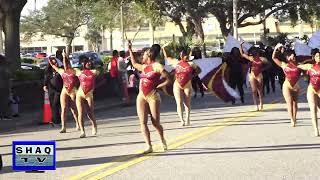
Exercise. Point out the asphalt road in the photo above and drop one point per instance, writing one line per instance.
(224, 141)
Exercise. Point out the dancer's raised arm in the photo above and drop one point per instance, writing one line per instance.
(66, 62)
(53, 65)
(274, 58)
(135, 64)
(250, 58)
(170, 60)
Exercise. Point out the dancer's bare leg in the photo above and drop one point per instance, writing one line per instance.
(289, 100)
(260, 92)
(155, 117)
(253, 84)
(187, 103)
(90, 113)
(64, 107)
(74, 111)
(178, 95)
(313, 103)
(295, 95)
(80, 115)
(143, 118)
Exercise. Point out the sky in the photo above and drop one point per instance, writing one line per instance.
(30, 6)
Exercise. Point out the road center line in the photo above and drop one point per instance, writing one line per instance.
(181, 140)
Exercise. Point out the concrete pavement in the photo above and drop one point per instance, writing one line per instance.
(223, 142)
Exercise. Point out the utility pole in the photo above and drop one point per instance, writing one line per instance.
(235, 19)
(122, 25)
(35, 5)
(1, 41)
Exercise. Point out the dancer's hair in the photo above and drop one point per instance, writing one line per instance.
(289, 52)
(154, 51)
(314, 51)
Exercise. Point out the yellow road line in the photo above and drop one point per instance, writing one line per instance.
(183, 140)
(177, 142)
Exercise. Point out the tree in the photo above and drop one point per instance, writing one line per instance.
(136, 14)
(105, 16)
(283, 9)
(61, 18)
(10, 11)
(193, 11)
(94, 38)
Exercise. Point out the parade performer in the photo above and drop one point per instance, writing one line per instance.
(68, 93)
(84, 98)
(255, 76)
(148, 97)
(182, 87)
(313, 92)
(290, 88)
(235, 64)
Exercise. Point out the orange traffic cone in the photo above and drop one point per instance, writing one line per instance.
(47, 114)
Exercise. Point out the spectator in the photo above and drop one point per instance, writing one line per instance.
(270, 72)
(114, 73)
(53, 85)
(196, 81)
(123, 76)
(14, 101)
(59, 54)
(4, 89)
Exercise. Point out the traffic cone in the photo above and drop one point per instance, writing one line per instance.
(47, 114)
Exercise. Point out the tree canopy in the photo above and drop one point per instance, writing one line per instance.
(61, 18)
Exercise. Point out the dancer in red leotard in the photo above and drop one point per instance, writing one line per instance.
(290, 87)
(255, 77)
(313, 92)
(148, 96)
(85, 94)
(182, 87)
(69, 90)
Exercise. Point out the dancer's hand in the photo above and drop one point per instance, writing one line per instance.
(45, 88)
(64, 55)
(278, 46)
(129, 45)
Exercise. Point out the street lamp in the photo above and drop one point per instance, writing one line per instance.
(122, 26)
(235, 18)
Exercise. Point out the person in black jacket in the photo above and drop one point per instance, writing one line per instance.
(53, 85)
(234, 63)
(196, 81)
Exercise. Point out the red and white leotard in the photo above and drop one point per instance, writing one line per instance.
(291, 72)
(69, 80)
(314, 74)
(256, 66)
(87, 80)
(150, 78)
(183, 73)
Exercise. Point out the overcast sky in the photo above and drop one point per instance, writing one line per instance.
(30, 6)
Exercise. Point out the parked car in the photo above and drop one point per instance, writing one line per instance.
(95, 57)
(106, 53)
(41, 55)
(44, 63)
(28, 66)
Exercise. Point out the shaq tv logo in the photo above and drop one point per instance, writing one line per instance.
(34, 155)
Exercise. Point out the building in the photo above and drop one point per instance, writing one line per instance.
(145, 36)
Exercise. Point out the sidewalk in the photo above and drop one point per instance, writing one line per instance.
(28, 119)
